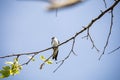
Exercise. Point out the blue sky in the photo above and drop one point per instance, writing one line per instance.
(26, 26)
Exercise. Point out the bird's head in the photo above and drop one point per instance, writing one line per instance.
(53, 38)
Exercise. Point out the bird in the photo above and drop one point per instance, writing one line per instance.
(55, 44)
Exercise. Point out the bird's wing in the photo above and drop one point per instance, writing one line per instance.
(58, 42)
(52, 42)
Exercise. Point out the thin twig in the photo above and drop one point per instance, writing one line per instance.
(72, 50)
(28, 60)
(89, 36)
(114, 50)
(62, 61)
(105, 3)
(111, 25)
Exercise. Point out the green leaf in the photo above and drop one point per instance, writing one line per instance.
(20, 67)
(13, 69)
(43, 59)
(5, 72)
(9, 63)
(49, 62)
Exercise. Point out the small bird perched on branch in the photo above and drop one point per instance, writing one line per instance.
(55, 44)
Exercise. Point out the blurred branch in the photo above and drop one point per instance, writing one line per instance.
(56, 5)
(56, 12)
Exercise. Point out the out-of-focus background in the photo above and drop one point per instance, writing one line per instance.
(27, 26)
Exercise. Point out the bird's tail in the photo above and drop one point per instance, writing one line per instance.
(55, 53)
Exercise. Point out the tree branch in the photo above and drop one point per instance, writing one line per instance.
(111, 25)
(105, 3)
(30, 53)
(29, 60)
(89, 36)
(72, 38)
(114, 50)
